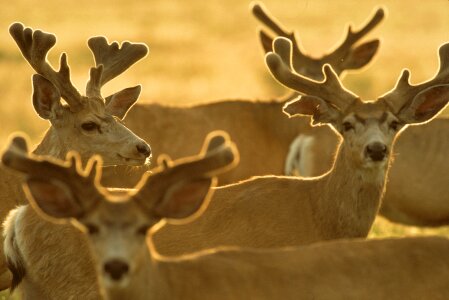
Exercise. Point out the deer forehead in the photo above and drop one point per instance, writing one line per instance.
(373, 110)
(95, 107)
(120, 212)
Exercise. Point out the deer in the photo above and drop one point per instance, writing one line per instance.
(279, 211)
(259, 124)
(115, 224)
(422, 203)
(24, 228)
(89, 124)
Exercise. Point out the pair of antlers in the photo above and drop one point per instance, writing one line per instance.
(336, 58)
(218, 155)
(110, 59)
(332, 91)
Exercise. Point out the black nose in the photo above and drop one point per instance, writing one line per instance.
(116, 268)
(144, 149)
(376, 151)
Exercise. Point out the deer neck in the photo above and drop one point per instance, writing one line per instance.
(51, 145)
(352, 194)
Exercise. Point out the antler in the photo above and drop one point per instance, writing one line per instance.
(352, 37)
(403, 92)
(330, 89)
(34, 45)
(111, 60)
(262, 14)
(300, 60)
(218, 154)
(70, 172)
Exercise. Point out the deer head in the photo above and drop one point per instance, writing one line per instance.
(89, 124)
(346, 56)
(368, 128)
(117, 221)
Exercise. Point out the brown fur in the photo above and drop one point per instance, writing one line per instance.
(260, 129)
(420, 156)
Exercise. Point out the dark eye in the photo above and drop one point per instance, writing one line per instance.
(347, 126)
(142, 230)
(89, 126)
(92, 229)
(394, 125)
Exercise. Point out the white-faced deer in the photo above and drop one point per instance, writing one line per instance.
(89, 124)
(258, 127)
(116, 223)
(174, 188)
(271, 211)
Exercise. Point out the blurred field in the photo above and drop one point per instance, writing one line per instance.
(208, 50)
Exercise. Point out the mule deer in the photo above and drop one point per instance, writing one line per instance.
(420, 157)
(25, 231)
(115, 224)
(89, 124)
(272, 211)
(258, 127)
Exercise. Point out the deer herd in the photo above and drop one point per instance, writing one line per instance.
(249, 199)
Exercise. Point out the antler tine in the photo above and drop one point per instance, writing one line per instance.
(115, 60)
(262, 14)
(218, 154)
(353, 37)
(330, 89)
(16, 157)
(34, 46)
(404, 91)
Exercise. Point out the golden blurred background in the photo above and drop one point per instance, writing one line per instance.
(209, 50)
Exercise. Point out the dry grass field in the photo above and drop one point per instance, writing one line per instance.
(208, 50)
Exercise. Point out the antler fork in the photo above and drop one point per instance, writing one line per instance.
(34, 46)
(111, 60)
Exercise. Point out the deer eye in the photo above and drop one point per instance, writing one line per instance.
(90, 126)
(142, 230)
(394, 125)
(347, 126)
(92, 229)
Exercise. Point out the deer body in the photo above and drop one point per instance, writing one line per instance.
(421, 157)
(261, 128)
(415, 268)
(39, 273)
(283, 211)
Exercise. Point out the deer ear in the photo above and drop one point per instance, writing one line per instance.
(426, 105)
(46, 97)
(317, 108)
(52, 198)
(119, 103)
(360, 56)
(184, 199)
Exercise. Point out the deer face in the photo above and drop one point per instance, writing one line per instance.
(117, 233)
(89, 124)
(369, 130)
(94, 130)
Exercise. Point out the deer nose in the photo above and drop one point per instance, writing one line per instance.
(144, 148)
(116, 268)
(376, 151)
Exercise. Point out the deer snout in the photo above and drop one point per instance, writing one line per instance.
(377, 151)
(144, 149)
(116, 268)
